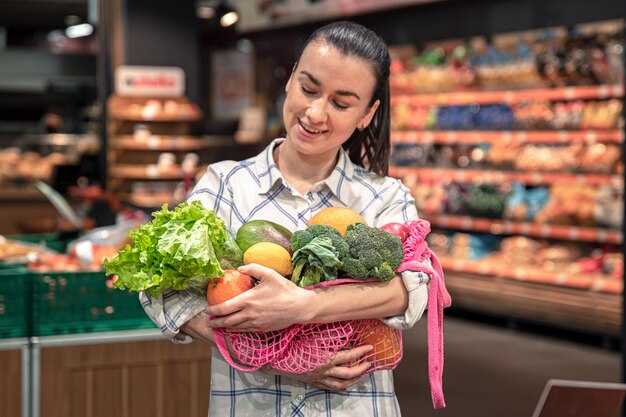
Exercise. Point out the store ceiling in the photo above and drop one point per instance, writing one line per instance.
(39, 14)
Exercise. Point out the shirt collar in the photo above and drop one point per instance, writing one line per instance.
(338, 181)
(266, 170)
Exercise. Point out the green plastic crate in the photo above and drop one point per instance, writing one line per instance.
(14, 303)
(49, 240)
(81, 302)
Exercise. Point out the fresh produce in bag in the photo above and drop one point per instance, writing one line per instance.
(304, 347)
(320, 256)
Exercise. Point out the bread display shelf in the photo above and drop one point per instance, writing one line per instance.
(170, 142)
(508, 227)
(145, 172)
(548, 137)
(510, 96)
(499, 177)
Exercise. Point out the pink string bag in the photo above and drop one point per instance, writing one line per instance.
(304, 347)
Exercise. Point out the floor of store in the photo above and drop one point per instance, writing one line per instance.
(494, 371)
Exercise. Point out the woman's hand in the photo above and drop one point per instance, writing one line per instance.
(336, 375)
(275, 303)
(198, 328)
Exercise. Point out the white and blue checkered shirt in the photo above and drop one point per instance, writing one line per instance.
(255, 189)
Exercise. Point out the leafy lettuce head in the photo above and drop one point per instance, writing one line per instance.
(177, 250)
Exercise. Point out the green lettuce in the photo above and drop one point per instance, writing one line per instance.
(179, 249)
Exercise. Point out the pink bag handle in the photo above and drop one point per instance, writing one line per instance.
(416, 251)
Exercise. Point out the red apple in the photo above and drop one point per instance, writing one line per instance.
(397, 229)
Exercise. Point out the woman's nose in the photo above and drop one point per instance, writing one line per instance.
(317, 111)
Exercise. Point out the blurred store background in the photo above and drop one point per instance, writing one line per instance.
(508, 127)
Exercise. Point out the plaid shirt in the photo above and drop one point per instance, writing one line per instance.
(255, 189)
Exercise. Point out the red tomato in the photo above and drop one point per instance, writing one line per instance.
(397, 229)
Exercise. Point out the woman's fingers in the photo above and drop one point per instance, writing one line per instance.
(348, 356)
(348, 372)
(259, 272)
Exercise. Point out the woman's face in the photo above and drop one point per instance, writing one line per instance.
(328, 96)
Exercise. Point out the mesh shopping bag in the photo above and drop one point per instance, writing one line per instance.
(304, 347)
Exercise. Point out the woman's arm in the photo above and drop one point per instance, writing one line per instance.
(277, 303)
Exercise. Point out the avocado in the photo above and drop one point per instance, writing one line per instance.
(256, 231)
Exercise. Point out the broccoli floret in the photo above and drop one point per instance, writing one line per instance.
(372, 253)
(317, 253)
(301, 238)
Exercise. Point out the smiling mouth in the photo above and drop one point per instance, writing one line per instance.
(309, 130)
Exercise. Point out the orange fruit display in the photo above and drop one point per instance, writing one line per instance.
(338, 218)
(228, 286)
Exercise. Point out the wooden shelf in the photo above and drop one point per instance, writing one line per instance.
(145, 172)
(162, 117)
(510, 96)
(170, 143)
(513, 137)
(508, 227)
(529, 274)
(498, 177)
(575, 308)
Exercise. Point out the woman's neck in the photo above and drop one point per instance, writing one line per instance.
(301, 172)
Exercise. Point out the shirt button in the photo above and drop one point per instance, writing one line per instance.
(299, 398)
(260, 379)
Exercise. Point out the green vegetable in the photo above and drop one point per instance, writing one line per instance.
(302, 238)
(315, 262)
(178, 249)
(373, 253)
(255, 231)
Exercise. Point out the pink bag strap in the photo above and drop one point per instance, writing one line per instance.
(220, 341)
(415, 253)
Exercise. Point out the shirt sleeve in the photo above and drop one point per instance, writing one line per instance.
(400, 207)
(171, 309)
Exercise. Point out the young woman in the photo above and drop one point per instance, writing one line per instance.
(335, 153)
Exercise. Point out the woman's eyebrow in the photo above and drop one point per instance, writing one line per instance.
(318, 83)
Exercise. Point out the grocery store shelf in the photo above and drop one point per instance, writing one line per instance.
(170, 143)
(148, 201)
(508, 227)
(576, 308)
(510, 96)
(513, 137)
(162, 117)
(28, 193)
(498, 177)
(145, 172)
(529, 274)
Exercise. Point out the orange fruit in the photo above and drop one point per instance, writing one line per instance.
(271, 255)
(385, 340)
(228, 286)
(337, 217)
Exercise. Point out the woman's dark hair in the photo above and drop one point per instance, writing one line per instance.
(370, 147)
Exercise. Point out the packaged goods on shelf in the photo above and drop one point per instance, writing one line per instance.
(525, 147)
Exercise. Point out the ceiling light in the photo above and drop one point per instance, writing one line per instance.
(227, 15)
(229, 19)
(78, 31)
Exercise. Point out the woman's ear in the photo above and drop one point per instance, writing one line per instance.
(367, 119)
